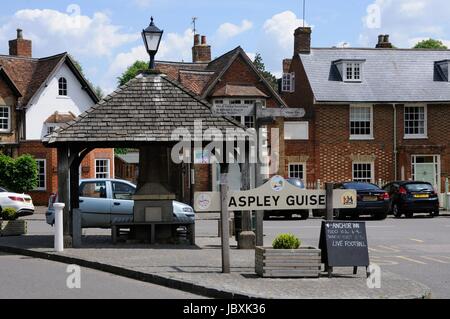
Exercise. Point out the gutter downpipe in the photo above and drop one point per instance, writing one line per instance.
(395, 141)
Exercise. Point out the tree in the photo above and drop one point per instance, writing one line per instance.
(19, 175)
(132, 71)
(99, 91)
(259, 64)
(430, 44)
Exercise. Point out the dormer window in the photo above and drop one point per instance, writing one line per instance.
(350, 70)
(443, 70)
(62, 87)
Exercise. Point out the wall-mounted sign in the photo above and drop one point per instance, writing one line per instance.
(276, 194)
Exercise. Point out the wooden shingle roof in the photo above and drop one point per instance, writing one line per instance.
(148, 108)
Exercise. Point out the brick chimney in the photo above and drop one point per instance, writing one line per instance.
(302, 40)
(383, 42)
(201, 51)
(19, 46)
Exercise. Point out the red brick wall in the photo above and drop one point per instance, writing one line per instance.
(38, 151)
(8, 98)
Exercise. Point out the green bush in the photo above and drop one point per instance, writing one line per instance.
(18, 175)
(286, 241)
(9, 214)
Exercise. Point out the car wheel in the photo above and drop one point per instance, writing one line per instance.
(409, 215)
(396, 211)
(381, 216)
(434, 214)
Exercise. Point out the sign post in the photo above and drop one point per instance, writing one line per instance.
(224, 217)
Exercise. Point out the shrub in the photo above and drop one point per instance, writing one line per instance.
(18, 175)
(9, 214)
(286, 241)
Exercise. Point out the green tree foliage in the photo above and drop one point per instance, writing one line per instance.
(430, 44)
(97, 89)
(19, 175)
(259, 64)
(132, 71)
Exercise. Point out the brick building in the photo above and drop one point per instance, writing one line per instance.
(37, 96)
(230, 79)
(375, 114)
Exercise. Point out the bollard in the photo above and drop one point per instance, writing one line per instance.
(59, 238)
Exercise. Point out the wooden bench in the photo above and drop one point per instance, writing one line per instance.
(117, 226)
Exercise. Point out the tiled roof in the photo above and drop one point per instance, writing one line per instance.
(148, 108)
(28, 74)
(238, 90)
(58, 117)
(200, 78)
(388, 75)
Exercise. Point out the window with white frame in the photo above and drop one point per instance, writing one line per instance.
(296, 130)
(288, 82)
(102, 168)
(352, 71)
(415, 121)
(361, 122)
(297, 170)
(363, 172)
(62, 87)
(5, 119)
(42, 175)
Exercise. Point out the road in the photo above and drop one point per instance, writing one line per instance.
(29, 278)
(417, 248)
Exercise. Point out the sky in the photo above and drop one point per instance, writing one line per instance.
(104, 35)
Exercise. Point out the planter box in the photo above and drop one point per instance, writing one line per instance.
(13, 227)
(302, 262)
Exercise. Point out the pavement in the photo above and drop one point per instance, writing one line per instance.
(197, 269)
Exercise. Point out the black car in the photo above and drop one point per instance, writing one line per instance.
(371, 200)
(304, 214)
(409, 197)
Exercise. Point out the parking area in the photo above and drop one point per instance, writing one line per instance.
(417, 248)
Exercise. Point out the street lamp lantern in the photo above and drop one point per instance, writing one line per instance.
(152, 38)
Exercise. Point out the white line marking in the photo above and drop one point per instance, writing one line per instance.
(389, 248)
(417, 240)
(412, 260)
(434, 259)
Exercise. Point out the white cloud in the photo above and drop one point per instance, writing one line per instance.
(251, 55)
(174, 47)
(277, 41)
(280, 29)
(229, 30)
(68, 31)
(406, 21)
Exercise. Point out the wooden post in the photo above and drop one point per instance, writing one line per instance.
(258, 182)
(329, 197)
(224, 217)
(64, 193)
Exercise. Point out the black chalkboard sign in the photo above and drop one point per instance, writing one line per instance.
(344, 244)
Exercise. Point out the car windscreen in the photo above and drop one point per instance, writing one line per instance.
(361, 186)
(419, 187)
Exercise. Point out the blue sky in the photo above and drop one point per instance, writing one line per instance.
(104, 35)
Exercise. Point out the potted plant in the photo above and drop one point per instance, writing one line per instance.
(287, 258)
(10, 225)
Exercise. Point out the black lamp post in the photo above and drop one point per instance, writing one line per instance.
(152, 38)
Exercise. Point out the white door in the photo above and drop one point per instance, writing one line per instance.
(426, 169)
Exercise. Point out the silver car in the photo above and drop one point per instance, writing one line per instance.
(103, 201)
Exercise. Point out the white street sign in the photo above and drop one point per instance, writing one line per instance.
(276, 194)
(234, 110)
(278, 112)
